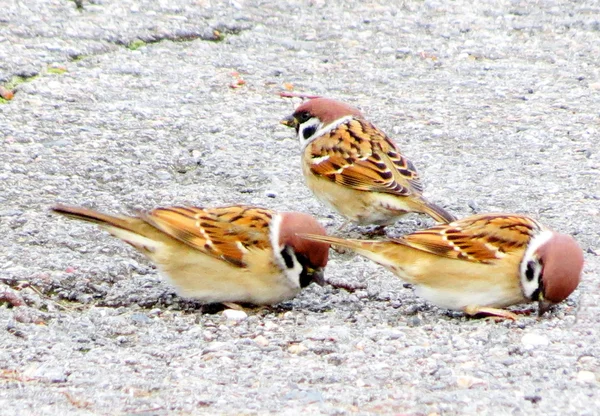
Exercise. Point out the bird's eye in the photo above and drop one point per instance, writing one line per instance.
(303, 117)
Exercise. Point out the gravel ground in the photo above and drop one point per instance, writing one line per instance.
(126, 104)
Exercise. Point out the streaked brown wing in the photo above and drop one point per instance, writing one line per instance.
(479, 238)
(358, 155)
(226, 233)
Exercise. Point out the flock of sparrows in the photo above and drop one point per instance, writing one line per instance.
(478, 265)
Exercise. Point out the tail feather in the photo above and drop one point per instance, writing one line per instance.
(132, 230)
(438, 213)
(353, 244)
(390, 254)
(89, 215)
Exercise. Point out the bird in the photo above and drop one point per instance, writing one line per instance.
(480, 264)
(355, 168)
(231, 254)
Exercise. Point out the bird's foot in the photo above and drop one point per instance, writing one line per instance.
(494, 313)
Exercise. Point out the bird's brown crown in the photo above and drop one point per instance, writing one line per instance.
(294, 223)
(327, 110)
(562, 260)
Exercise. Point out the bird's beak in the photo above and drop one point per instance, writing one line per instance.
(289, 121)
(317, 276)
(543, 306)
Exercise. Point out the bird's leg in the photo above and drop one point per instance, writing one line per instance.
(341, 227)
(473, 310)
(248, 308)
(234, 306)
(377, 231)
(338, 249)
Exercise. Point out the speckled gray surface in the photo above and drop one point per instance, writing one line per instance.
(498, 104)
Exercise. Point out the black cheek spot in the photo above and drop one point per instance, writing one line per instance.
(530, 272)
(309, 131)
(287, 258)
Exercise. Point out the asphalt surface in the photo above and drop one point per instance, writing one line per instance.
(129, 105)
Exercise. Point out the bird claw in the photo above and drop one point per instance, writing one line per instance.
(491, 313)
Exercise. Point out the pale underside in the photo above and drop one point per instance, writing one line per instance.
(361, 207)
(211, 280)
(454, 283)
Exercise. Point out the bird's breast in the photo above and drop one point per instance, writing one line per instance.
(476, 292)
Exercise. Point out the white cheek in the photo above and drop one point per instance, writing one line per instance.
(292, 274)
(321, 130)
(530, 286)
(314, 123)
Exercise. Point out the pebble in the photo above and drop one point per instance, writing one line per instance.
(140, 318)
(234, 315)
(53, 374)
(586, 376)
(307, 396)
(467, 382)
(215, 346)
(533, 340)
(163, 175)
(261, 340)
(296, 348)
(270, 326)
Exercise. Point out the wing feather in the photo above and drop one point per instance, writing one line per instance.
(359, 155)
(480, 238)
(227, 233)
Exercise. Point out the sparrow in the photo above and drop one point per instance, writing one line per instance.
(219, 255)
(481, 263)
(355, 168)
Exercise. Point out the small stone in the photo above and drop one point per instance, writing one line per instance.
(595, 85)
(586, 376)
(215, 346)
(393, 334)
(473, 205)
(467, 382)
(270, 326)
(163, 175)
(262, 341)
(533, 398)
(296, 348)
(413, 321)
(234, 315)
(11, 213)
(140, 318)
(533, 340)
(313, 396)
(288, 315)
(50, 373)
